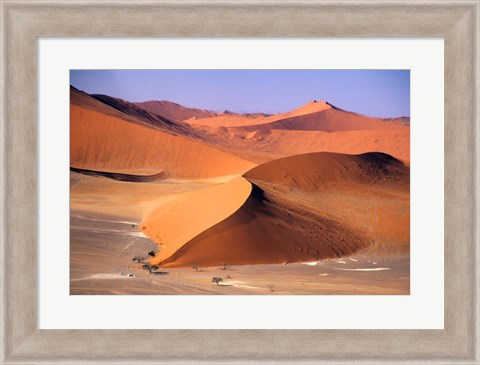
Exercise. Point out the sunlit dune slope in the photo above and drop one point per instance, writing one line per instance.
(316, 116)
(184, 216)
(395, 142)
(314, 127)
(262, 145)
(326, 119)
(102, 142)
(253, 119)
(224, 120)
(309, 207)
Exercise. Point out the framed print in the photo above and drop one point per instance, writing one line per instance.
(247, 210)
(314, 163)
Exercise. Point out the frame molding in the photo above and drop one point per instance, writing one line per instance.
(23, 21)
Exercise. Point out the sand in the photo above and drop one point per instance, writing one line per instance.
(284, 218)
(191, 213)
(238, 120)
(314, 127)
(105, 143)
(128, 112)
(174, 111)
(312, 201)
(98, 194)
(287, 143)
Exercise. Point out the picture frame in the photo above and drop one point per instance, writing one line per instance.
(23, 22)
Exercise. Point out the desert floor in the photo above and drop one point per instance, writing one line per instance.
(114, 241)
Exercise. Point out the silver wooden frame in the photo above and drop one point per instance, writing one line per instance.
(23, 21)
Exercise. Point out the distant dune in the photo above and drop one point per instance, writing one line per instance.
(127, 111)
(325, 120)
(229, 119)
(314, 127)
(174, 111)
(315, 115)
(280, 143)
(266, 145)
(285, 218)
(186, 215)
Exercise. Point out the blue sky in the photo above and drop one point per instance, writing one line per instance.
(380, 93)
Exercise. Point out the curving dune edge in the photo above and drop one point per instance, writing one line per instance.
(277, 223)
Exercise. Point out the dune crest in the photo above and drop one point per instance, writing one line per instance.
(309, 108)
(103, 142)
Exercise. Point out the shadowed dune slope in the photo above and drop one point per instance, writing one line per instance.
(102, 142)
(128, 111)
(300, 209)
(174, 111)
(121, 177)
(156, 120)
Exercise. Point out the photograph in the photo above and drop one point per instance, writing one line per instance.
(239, 182)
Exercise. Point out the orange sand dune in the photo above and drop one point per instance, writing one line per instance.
(309, 108)
(395, 142)
(238, 120)
(284, 218)
(224, 120)
(128, 111)
(186, 215)
(314, 127)
(375, 184)
(260, 138)
(326, 120)
(174, 111)
(266, 145)
(106, 143)
(320, 171)
(319, 116)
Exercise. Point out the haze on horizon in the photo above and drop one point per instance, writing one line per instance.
(377, 93)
